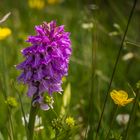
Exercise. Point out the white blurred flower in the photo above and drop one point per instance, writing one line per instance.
(39, 128)
(128, 56)
(93, 7)
(122, 119)
(114, 33)
(87, 25)
(38, 122)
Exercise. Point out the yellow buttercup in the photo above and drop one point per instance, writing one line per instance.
(53, 1)
(120, 97)
(36, 4)
(4, 32)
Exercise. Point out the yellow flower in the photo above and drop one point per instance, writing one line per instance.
(11, 102)
(4, 32)
(70, 121)
(37, 4)
(120, 97)
(53, 1)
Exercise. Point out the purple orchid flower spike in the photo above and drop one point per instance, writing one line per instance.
(46, 61)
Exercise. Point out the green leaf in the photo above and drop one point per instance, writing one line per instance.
(66, 99)
(1, 136)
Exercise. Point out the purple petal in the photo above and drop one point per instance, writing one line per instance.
(31, 90)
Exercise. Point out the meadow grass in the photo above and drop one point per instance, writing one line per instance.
(105, 56)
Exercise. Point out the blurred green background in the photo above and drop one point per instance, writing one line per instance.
(94, 25)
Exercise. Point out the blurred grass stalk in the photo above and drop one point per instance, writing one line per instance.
(22, 109)
(11, 124)
(89, 134)
(132, 115)
(112, 121)
(115, 66)
(5, 83)
(5, 74)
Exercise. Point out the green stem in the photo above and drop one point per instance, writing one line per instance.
(132, 43)
(113, 118)
(33, 112)
(115, 67)
(54, 112)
